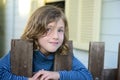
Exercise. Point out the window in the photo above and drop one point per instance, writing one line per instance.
(84, 21)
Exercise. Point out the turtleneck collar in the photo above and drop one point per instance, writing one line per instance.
(38, 54)
(40, 61)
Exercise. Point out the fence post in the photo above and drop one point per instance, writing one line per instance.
(21, 57)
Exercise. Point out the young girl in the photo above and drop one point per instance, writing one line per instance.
(48, 29)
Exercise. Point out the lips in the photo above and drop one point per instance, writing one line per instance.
(54, 43)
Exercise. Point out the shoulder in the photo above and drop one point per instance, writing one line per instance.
(5, 59)
(74, 59)
(77, 63)
(5, 56)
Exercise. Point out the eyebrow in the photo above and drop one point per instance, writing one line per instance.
(61, 27)
(50, 26)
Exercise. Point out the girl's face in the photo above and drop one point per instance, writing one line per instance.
(51, 41)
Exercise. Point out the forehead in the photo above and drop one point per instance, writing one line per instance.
(59, 23)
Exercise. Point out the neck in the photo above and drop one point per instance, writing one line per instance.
(44, 52)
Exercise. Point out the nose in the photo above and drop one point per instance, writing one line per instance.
(54, 34)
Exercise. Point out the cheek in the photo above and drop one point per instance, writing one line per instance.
(61, 36)
(40, 41)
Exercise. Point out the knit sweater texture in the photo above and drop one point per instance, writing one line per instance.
(40, 61)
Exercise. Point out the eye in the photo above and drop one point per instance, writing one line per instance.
(48, 29)
(60, 30)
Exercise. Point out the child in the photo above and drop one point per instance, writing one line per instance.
(48, 29)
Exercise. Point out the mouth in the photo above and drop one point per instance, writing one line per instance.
(53, 43)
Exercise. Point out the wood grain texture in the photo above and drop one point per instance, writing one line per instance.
(21, 57)
(64, 62)
(96, 59)
(96, 63)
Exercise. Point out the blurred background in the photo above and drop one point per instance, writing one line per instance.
(89, 20)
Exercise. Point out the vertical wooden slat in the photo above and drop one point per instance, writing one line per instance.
(96, 59)
(21, 57)
(64, 62)
(118, 78)
(109, 74)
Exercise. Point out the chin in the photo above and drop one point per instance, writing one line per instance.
(53, 50)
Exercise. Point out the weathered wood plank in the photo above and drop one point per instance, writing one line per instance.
(21, 57)
(109, 74)
(118, 78)
(96, 59)
(22, 54)
(64, 62)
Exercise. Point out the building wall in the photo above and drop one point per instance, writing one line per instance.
(17, 14)
(110, 34)
(15, 22)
